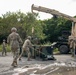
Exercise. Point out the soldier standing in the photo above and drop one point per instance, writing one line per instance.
(14, 40)
(71, 42)
(27, 46)
(4, 48)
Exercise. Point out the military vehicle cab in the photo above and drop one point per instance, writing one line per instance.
(62, 43)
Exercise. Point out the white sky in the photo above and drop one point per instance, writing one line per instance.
(64, 6)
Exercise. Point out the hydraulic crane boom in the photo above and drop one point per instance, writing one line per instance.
(59, 14)
(52, 12)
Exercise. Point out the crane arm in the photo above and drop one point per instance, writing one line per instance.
(52, 12)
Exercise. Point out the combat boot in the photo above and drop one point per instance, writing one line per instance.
(15, 64)
(19, 59)
(29, 59)
(12, 64)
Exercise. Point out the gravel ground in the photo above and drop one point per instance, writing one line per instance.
(7, 69)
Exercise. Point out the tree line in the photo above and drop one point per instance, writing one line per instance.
(44, 30)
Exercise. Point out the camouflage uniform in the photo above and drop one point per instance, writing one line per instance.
(4, 48)
(26, 46)
(72, 43)
(14, 40)
(71, 38)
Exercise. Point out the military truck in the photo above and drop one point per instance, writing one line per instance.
(63, 46)
(62, 42)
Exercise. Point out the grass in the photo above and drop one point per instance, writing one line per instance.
(56, 51)
(7, 48)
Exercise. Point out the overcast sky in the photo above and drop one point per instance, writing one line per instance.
(64, 6)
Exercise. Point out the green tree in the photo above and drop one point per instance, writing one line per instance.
(23, 22)
(54, 27)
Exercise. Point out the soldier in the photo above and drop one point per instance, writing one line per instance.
(27, 46)
(70, 41)
(4, 48)
(14, 40)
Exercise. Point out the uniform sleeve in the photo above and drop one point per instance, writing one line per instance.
(20, 40)
(24, 44)
(30, 44)
(8, 39)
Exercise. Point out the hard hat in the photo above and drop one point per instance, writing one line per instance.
(13, 29)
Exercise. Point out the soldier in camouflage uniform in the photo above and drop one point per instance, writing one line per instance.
(14, 40)
(27, 46)
(72, 43)
(4, 48)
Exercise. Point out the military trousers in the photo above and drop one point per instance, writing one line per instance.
(15, 53)
(4, 50)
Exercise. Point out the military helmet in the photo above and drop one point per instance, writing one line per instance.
(28, 37)
(13, 29)
(3, 39)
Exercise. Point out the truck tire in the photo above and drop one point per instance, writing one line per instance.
(64, 49)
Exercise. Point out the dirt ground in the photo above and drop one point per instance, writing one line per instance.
(63, 65)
